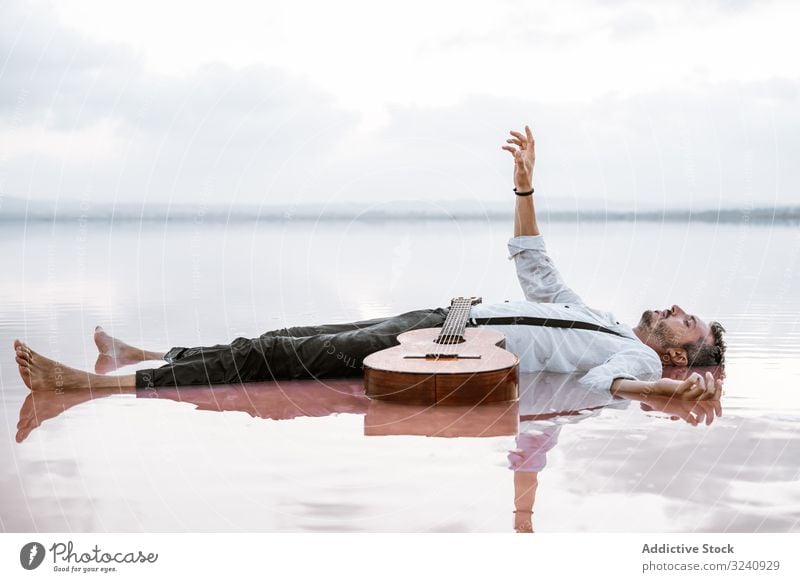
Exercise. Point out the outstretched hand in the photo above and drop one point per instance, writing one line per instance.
(694, 387)
(694, 412)
(524, 158)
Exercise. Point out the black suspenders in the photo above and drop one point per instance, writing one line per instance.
(542, 322)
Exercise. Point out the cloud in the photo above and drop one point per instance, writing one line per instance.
(712, 145)
(87, 119)
(81, 118)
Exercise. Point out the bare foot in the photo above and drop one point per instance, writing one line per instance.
(41, 406)
(116, 353)
(40, 373)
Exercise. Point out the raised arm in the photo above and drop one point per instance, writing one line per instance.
(524, 158)
(538, 277)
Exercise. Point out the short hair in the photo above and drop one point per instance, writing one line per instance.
(701, 353)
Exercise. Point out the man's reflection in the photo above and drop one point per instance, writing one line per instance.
(268, 400)
(548, 402)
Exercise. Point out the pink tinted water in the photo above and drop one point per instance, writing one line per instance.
(320, 456)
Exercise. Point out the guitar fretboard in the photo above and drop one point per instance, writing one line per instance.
(456, 321)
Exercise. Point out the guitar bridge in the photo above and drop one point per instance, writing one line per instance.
(434, 356)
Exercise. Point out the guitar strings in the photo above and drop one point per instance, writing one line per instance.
(459, 309)
(443, 349)
(444, 335)
(448, 330)
(462, 314)
(460, 320)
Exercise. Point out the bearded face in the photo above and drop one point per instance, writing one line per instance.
(659, 330)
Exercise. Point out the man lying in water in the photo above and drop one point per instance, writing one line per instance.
(617, 359)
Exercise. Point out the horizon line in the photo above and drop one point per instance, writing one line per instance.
(787, 214)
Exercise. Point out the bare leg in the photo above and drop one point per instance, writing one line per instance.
(115, 353)
(41, 373)
(41, 406)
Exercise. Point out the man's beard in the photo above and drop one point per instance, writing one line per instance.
(659, 331)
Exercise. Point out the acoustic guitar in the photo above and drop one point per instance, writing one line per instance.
(448, 365)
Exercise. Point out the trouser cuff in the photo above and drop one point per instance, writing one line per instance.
(173, 354)
(145, 378)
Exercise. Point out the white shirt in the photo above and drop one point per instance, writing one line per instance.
(603, 356)
(548, 401)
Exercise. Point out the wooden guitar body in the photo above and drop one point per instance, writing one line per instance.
(474, 369)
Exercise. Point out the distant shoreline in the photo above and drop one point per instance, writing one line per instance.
(732, 216)
(21, 210)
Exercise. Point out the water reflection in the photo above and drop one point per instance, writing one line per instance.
(152, 464)
(548, 403)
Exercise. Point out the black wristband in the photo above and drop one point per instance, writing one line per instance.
(523, 193)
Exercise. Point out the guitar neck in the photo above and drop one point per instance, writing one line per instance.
(456, 321)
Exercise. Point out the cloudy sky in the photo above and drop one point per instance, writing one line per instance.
(657, 104)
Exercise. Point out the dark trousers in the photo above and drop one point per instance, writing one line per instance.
(324, 351)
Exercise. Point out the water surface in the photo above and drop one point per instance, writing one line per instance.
(319, 456)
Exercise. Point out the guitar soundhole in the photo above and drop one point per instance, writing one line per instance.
(450, 339)
(456, 320)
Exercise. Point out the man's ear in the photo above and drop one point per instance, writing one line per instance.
(675, 357)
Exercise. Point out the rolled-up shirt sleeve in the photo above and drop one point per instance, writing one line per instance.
(540, 280)
(533, 443)
(631, 364)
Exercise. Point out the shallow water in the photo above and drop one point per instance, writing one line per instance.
(320, 456)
